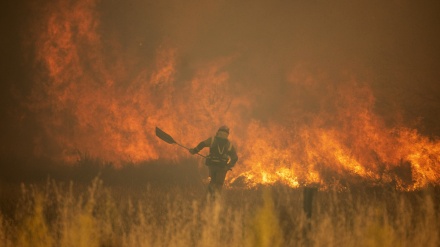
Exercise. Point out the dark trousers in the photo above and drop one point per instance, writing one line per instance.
(217, 174)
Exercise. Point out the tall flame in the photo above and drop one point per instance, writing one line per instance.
(91, 96)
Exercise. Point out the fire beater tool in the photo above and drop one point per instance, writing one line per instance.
(168, 139)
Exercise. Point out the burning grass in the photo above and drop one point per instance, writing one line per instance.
(60, 214)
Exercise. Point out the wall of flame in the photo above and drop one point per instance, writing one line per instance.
(304, 126)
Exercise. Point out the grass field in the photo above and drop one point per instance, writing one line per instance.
(95, 214)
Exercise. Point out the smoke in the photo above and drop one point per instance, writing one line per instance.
(308, 88)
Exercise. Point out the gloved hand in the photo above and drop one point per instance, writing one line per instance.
(192, 151)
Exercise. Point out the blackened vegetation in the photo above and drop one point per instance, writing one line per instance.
(388, 176)
(309, 193)
(87, 168)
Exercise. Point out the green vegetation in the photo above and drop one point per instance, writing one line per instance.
(59, 214)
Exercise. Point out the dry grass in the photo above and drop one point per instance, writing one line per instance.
(58, 214)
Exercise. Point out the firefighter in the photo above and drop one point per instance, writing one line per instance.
(222, 157)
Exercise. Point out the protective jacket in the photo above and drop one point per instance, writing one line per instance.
(221, 151)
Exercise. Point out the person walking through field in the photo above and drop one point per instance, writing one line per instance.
(222, 157)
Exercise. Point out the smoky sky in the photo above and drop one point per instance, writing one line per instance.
(396, 43)
(393, 46)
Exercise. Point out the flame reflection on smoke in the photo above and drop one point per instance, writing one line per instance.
(91, 96)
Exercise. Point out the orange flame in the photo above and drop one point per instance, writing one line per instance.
(95, 100)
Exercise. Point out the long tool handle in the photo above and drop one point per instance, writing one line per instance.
(169, 139)
(189, 148)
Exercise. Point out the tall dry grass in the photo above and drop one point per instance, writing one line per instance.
(71, 214)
